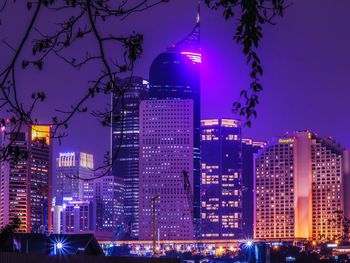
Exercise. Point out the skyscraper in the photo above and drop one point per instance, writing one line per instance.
(70, 168)
(25, 182)
(166, 169)
(249, 149)
(298, 187)
(346, 182)
(125, 146)
(221, 179)
(109, 202)
(175, 74)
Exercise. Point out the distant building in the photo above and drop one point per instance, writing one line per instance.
(346, 182)
(70, 167)
(109, 193)
(78, 216)
(221, 180)
(25, 182)
(166, 151)
(298, 187)
(125, 146)
(249, 149)
(227, 180)
(57, 219)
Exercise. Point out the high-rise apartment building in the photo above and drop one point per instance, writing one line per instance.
(221, 179)
(109, 192)
(175, 74)
(298, 187)
(70, 168)
(166, 152)
(125, 146)
(25, 181)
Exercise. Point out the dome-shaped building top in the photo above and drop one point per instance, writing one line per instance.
(175, 73)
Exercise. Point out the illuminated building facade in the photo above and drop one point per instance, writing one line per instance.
(298, 186)
(109, 193)
(25, 181)
(249, 149)
(166, 151)
(175, 74)
(125, 147)
(221, 180)
(70, 166)
(346, 181)
(78, 216)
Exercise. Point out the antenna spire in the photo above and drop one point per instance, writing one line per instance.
(198, 17)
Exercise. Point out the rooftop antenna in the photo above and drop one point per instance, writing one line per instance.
(198, 17)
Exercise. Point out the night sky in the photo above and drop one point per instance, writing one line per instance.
(306, 59)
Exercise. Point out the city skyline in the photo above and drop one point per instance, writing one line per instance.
(303, 58)
(207, 129)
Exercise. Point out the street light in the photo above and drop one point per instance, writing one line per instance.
(59, 245)
(249, 243)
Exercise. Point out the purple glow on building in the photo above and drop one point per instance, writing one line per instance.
(195, 57)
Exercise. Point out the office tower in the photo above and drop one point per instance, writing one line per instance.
(25, 184)
(298, 187)
(125, 146)
(109, 192)
(175, 74)
(70, 167)
(221, 179)
(78, 216)
(346, 182)
(166, 152)
(249, 149)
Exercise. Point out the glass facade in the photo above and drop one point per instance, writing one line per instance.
(125, 147)
(221, 179)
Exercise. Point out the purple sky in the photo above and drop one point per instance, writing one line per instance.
(306, 59)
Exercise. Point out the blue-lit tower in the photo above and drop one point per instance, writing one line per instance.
(175, 74)
(125, 147)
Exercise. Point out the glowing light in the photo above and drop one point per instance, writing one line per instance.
(249, 243)
(59, 245)
(178, 247)
(67, 154)
(332, 245)
(137, 248)
(210, 247)
(188, 248)
(286, 140)
(314, 243)
(167, 248)
(195, 57)
(3, 128)
(41, 132)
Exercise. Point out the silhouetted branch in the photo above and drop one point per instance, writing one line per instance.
(253, 14)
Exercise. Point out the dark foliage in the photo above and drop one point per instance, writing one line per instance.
(6, 235)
